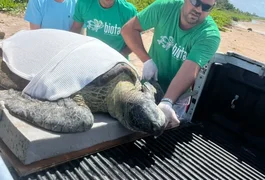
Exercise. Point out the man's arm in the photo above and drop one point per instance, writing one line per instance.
(34, 26)
(130, 12)
(80, 10)
(76, 27)
(146, 19)
(131, 33)
(125, 51)
(180, 83)
(184, 79)
(33, 14)
(200, 54)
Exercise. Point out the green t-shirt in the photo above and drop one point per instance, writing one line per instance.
(172, 45)
(105, 24)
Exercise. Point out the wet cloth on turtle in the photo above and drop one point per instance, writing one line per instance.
(57, 63)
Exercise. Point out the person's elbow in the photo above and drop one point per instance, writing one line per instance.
(131, 27)
(126, 29)
(76, 27)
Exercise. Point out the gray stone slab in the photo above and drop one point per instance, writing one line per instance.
(30, 144)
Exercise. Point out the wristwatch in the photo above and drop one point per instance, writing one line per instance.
(167, 100)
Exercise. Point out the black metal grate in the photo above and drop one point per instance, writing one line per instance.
(188, 153)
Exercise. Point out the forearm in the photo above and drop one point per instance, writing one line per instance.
(132, 38)
(125, 51)
(76, 27)
(34, 26)
(183, 80)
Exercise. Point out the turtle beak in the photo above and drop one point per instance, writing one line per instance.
(157, 130)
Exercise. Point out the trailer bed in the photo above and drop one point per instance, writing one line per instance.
(197, 152)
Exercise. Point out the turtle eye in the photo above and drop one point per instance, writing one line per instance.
(149, 91)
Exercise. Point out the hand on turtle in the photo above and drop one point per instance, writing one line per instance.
(149, 70)
(171, 117)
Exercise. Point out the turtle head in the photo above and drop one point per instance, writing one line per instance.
(136, 109)
(143, 115)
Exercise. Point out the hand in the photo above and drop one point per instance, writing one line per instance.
(150, 70)
(171, 117)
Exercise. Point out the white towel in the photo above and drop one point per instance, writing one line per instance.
(57, 63)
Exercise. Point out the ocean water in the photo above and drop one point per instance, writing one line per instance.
(251, 6)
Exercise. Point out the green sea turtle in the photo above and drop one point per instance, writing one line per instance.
(118, 92)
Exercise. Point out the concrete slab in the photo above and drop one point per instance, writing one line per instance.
(30, 144)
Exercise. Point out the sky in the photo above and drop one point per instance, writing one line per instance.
(251, 6)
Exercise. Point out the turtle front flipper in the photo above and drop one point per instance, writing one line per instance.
(63, 116)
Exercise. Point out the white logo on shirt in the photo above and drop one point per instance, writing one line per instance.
(178, 52)
(110, 29)
(94, 25)
(166, 42)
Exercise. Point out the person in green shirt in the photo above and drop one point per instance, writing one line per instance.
(185, 39)
(103, 19)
